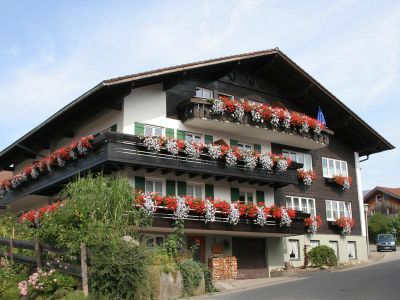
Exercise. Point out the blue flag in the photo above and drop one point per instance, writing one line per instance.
(320, 116)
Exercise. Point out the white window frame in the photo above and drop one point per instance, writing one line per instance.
(355, 249)
(291, 153)
(335, 206)
(290, 249)
(154, 237)
(331, 173)
(191, 135)
(310, 204)
(247, 191)
(196, 184)
(153, 127)
(154, 179)
(243, 145)
(336, 249)
(201, 93)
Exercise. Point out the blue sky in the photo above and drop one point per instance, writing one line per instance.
(51, 52)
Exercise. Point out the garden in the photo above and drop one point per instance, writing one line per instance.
(97, 212)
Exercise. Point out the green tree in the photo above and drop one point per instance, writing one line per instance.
(379, 223)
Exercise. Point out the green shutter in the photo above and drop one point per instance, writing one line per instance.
(234, 194)
(209, 190)
(139, 128)
(208, 139)
(181, 188)
(169, 133)
(257, 148)
(140, 184)
(181, 135)
(234, 143)
(260, 196)
(171, 188)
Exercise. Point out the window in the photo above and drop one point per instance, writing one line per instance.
(294, 249)
(204, 93)
(195, 190)
(244, 147)
(332, 167)
(334, 246)
(337, 209)
(154, 186)
(301, 158)
(351, 248)
(246, 196)
(306, 205)
(154, 240)
(314, 243)
(194, 137)
(153, 130)
(379, 198)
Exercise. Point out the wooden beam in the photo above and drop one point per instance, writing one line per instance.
(29, 153)
(242, 180)
(336, 124)
(251, 182)
(205, 176)
(263, 183)
(136, 168)
(218, 178)
(163, 172)
(179, 173)
(230, 179)
(150, 170)
(193, 175)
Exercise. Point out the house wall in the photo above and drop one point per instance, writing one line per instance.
(388, 203)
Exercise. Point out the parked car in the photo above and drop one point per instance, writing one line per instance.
(385, 242)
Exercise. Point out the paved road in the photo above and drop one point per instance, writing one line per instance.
(378, 281)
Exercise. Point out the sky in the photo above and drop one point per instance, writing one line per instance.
(51, 52)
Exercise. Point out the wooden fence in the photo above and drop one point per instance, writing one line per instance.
(42, 258)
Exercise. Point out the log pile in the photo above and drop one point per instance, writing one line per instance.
(223, 268)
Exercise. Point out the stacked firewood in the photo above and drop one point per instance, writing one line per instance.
(223, 268)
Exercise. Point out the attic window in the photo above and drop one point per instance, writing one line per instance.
(204, 93)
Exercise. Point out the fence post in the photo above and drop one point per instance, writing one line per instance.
(84, 270)
(37, 254)
(11, 250)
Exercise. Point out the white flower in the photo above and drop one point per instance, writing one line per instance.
(285, 219)
(266, 161)
(217, 107)
(239, 111)
(191, 150)
(317, 129)
(73, 154)
(60, 162)
(274, 120)
(346, 184)
(182, 210)
(81, 149)
(233, 216)
(214, 151)
(286, 121)
(250, 160)
(210, 212)
(152, 143)
(172, 147)
(255, 114)
(304, 127)
(261, 217)
(230, 159)
(148, 205)
(282, 165)
(34, 173)
(313, 227)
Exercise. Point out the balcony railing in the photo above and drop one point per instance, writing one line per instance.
(197, 112)
(113, 151)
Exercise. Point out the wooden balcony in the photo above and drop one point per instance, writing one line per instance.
(197, 112)
(114, 151)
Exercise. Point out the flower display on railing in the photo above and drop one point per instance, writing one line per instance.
(34, 216)
(47, 164)
(307, 176)
(266, 114)
(346, 224)
(231, 155)
(344, 181)
(232, 212)
(312, 224)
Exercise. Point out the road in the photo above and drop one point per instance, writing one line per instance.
(377, 281)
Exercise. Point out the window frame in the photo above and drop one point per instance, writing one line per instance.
(196, 184)
(202, 94)
(318, 242)
(154, 127)
(347, 209)
(194, 133)
(154, 237)
(355, 250)
(245, 144)
(300, 204)
(334, 172)
(337, 247)
(154, 180)
(246, 191)
(297, 255)
(289, 152)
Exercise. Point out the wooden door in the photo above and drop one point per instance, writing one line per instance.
(200, 254)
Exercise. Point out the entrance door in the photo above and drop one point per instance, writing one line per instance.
(200, 241)
(250, 254)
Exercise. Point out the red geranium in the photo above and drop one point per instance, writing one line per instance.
(222, 206)
(345, 221)
(310, 220)
(197, 205)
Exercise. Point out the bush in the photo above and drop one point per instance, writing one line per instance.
(10, 276)
(192, 274)
(322, 256)
(208, 280)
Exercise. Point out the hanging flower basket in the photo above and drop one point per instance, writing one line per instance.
(312, 224)
(344, 182)
(307, 177)
(345, 224)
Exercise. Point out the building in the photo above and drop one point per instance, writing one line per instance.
(175, 102)
(383, 200)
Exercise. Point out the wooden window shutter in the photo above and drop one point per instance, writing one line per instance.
(169, 133)
(171, 187)
(209, 189)
(260, 196)
(181, 188)
(181, 135)
(234, 194)
(139, 128)
(208, 139)
(140, 184)
(257, 148)
(234, 143)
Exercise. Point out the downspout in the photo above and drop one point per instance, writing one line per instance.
(359, 193)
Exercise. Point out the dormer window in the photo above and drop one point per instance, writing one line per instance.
(204, 93)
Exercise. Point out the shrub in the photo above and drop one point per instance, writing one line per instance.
(192, 274)
(10, 276)
(208, 280)
(322, 256)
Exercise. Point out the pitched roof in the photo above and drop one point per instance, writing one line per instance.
(393, 192)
